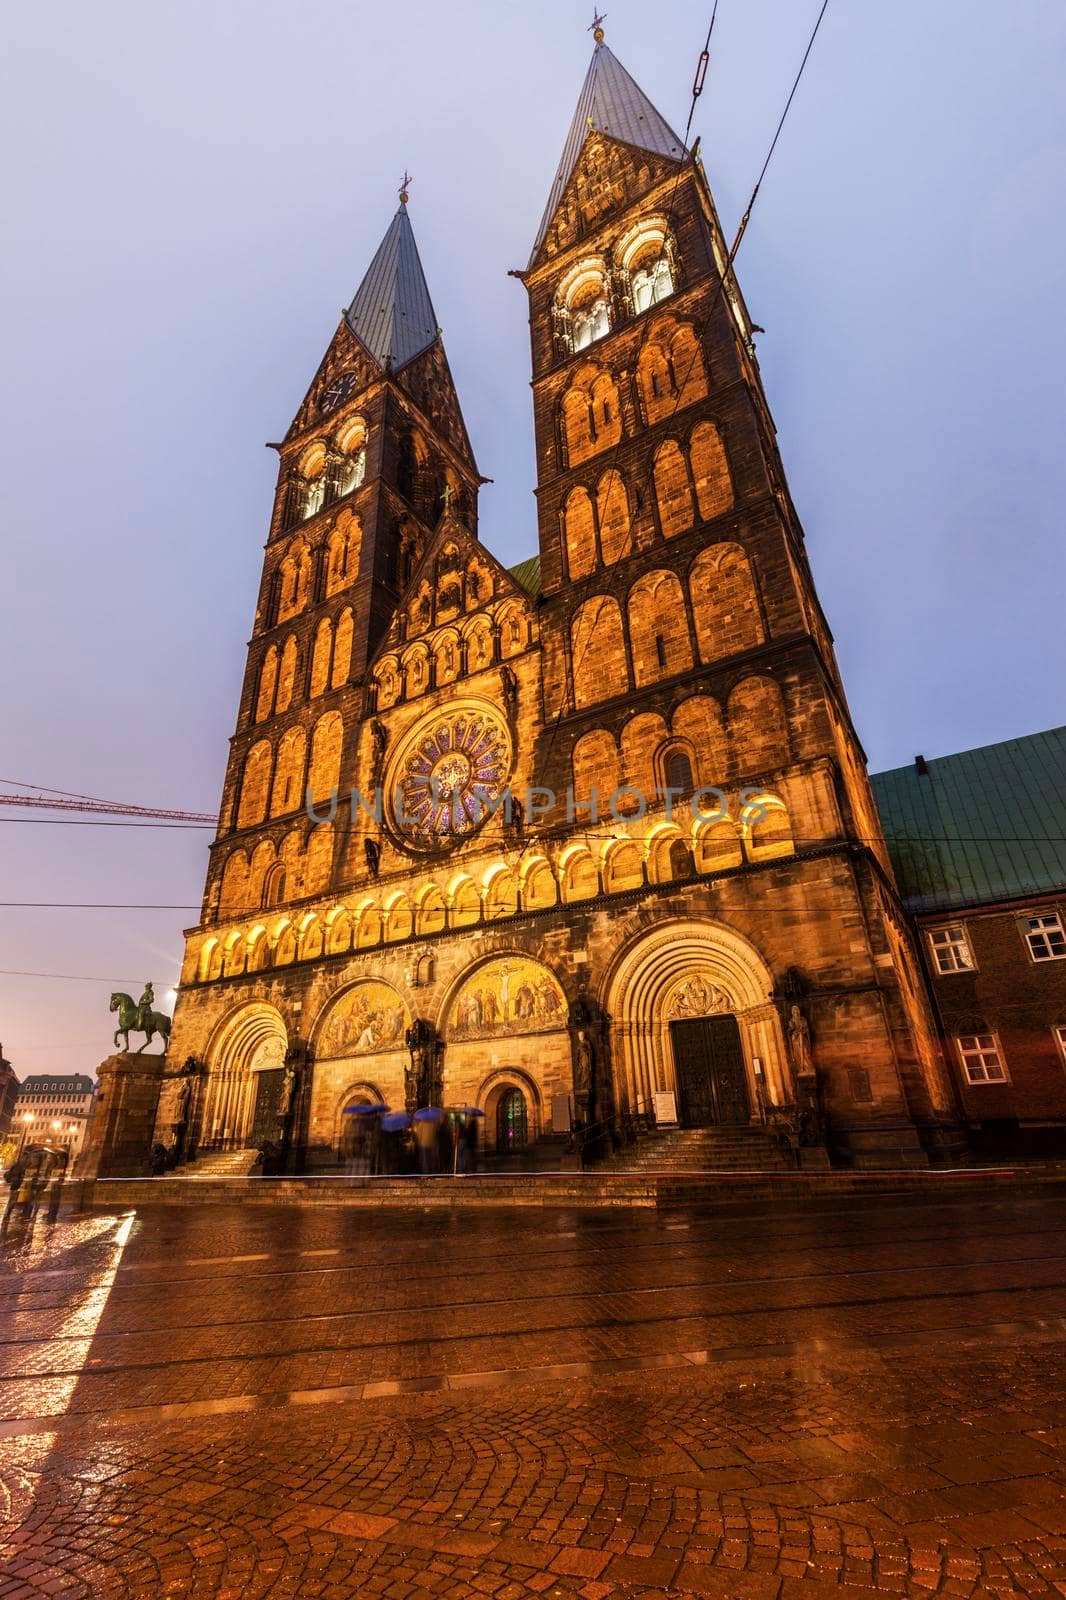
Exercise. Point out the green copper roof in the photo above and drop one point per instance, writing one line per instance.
(527, 574)
(980, 826)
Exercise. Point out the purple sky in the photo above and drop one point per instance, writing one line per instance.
(194, 190)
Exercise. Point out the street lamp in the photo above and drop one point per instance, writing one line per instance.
(27, 1118)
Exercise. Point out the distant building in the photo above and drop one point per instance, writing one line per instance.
(978, 842)
(9, 1088)
(53, 1108)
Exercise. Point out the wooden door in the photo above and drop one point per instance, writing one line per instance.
(712, 1086)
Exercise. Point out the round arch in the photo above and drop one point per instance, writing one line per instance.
(493, 1091)
(250, 1040)
(506, 1016)
(683, 969)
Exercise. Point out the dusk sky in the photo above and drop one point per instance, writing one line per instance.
(194, 190)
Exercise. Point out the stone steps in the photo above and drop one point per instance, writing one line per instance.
(702, 1150)
(219, 1164)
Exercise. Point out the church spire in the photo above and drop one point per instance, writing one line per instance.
(610, 102)
(392, 315)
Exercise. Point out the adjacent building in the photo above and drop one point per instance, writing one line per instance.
(978, 842)
(53, 1108)
(9, 1088)
(703, 921)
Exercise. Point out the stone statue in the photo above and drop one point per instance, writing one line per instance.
(288, 1092)
(583, 1062)
(138, 1017)
(510, 692)
(379, 738)
(799, 1038)
(181, 1105)
(372, 852)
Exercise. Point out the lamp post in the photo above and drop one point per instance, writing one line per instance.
(27, 1118)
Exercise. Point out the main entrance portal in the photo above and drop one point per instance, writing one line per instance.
(267, 1100)
(712, 1087)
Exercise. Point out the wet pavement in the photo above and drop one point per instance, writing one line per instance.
(787, 1405)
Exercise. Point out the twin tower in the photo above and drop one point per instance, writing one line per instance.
(738, 962)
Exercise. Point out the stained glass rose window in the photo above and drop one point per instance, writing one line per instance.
(448, 775)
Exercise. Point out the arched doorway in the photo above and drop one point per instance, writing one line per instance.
(505, 1028)
(712, 1087)
(512, 1121)
(246, 1072)
(692, 1017)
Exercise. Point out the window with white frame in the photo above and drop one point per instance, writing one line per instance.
(951, 949)
(1060, 1039)
(980, 1057)
(1045, 937)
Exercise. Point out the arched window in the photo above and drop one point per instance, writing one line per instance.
(651, 282)
(646, 258)
(678, 771)
(591, 323)
(312, 470)
(350, 470)
(512, 1121)
(681, 864)
(274, 887)
(583, 308)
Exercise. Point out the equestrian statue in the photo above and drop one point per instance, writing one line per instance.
(137, 1016)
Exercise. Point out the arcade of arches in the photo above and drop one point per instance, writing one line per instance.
(509, 1046)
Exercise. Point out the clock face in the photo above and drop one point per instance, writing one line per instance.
(337, 391)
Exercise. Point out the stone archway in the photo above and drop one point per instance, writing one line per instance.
(686, 970)
(506, 1017)
(250, 1041)
(497, 1088)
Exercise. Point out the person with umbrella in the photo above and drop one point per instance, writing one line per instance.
(427, 1137)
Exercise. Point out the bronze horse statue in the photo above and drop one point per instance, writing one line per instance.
(133, 1019)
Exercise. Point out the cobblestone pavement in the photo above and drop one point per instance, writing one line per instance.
(856, 1402)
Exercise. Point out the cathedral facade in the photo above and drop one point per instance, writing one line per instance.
(588, 840)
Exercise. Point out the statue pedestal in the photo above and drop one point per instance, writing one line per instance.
(122, 1124)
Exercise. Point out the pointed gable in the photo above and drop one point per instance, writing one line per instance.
(392, 315)
(455, 576)
(610, 102)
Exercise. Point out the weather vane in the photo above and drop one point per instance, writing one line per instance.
(596, 25)
(404, 186)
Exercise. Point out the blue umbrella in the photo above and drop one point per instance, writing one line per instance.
(363, 1111)
(395, 1122)
(471, 1111)
(429, 1114)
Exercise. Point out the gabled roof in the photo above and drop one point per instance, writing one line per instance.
(978, 827)
(611, 102)
(392, 315)
(527, 574)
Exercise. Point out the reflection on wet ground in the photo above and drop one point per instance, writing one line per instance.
(613, 1403)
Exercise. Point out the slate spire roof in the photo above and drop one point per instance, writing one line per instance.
(613, 103)
(392, 314)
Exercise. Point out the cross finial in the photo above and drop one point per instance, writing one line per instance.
(405, 184)
(596, 25)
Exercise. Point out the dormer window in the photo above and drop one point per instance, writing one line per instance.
(583, 306)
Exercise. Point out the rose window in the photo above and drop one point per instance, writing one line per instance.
(449, 776)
